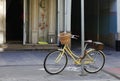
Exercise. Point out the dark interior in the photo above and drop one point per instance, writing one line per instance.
(14, 20)
(90, 23)
(76, 20)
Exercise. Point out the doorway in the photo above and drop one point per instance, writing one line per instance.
(76, 21)
(91, 22)
(14, 21)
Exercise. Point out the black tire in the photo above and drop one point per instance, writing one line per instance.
(51, 66)
(98, 61)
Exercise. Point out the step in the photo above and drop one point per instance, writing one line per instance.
(15, 47)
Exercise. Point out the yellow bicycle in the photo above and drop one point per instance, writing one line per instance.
(93, 58)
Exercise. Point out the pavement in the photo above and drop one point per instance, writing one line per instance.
(112, 65)
(28, 66)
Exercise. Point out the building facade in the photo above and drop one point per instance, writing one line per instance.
(40, 21)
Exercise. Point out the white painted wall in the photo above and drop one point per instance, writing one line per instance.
(118, 19)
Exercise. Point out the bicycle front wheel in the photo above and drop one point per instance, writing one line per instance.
(55, 62)
(96, 61)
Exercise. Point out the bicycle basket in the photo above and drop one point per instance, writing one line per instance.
(98, 45)
(65, 38)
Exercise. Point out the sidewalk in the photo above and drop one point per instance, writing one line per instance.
(112, 65)
(28, 66)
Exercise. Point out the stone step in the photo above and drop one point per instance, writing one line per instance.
(15, 47)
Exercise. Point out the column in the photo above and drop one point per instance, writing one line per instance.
(60, 16)
(52, 21)
(67, 15)
(2, 20)
(52, 16)
(34, 21)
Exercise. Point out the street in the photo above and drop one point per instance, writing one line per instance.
(28, 66)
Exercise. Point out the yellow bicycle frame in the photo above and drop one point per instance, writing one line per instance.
(76, 59)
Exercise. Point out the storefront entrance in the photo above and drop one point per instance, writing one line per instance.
(14, 21)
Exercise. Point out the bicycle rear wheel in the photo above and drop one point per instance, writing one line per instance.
(55, 62)
(97, 62)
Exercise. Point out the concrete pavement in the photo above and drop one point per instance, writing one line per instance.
(28, 66)
(112, 65)
(36, 73)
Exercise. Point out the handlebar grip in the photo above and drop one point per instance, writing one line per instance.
(75, 36)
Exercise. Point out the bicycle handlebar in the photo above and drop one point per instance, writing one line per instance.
(75, 36)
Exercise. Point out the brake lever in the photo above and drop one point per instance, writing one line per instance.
(75, 36)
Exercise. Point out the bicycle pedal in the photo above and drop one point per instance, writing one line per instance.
(87, 62)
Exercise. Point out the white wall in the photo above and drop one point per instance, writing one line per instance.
(118, 19)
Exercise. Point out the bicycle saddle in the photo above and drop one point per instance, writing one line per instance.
(88, 41)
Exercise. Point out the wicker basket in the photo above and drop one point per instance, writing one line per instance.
(65, 38)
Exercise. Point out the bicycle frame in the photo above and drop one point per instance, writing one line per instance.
(76, 59)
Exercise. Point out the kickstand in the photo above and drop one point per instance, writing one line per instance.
(83, 72)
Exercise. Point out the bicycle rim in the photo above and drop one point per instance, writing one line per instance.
(97, 62)
(55, 63)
